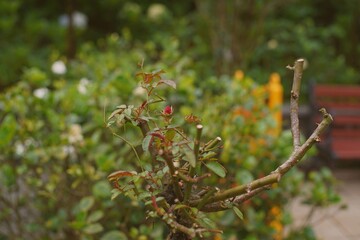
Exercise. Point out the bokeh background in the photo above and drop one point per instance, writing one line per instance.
(65, 65)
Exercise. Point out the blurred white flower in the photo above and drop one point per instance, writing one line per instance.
(79, 20)
(82, 86)
(68, 150)
(272, 44)
(41, 92)
(139, 91)
(176, 164)
(75, 134)
(19, 148)
(156, 11)
(58, 67)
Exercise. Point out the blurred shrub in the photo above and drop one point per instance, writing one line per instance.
(55, 154)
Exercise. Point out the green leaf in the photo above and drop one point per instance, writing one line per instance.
(207, 222)
(95, 216)
(7, 130)
(170, 134)
(238, 213)
(144, 195)
(86, 203)
(115, 193)
(209, 156)
(101, 189)
(244, 176)
(128, 111)
(158, 71)
(9, 174)
(158, 199)
(217, 168)
(190, 156)
(114, 235)
(179, 206)
(93, 228)
(110, 123)
(117, 111)
(146, 143)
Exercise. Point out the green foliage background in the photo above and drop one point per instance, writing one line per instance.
(55, 152)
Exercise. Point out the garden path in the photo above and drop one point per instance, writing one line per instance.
(332, 223)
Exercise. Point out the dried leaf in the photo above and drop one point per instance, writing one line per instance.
(146, 143)
(170, 83)
(118, 110)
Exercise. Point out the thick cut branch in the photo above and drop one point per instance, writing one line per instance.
(294, 102)
(220, 206)
(144, 126)
(175, 183)
(236, 191)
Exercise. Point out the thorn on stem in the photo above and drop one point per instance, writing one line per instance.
(290, 67)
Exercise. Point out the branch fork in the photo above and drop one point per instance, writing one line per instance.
(247, 191)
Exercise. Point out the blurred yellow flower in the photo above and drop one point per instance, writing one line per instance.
(239, 75)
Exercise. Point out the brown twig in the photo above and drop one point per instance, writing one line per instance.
(188, 186)
(186, 178)
(175, 183)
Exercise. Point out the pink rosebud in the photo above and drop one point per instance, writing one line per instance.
(168, 110)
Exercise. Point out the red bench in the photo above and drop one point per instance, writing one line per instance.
(342, 140)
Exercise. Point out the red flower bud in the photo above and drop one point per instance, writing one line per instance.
(168, 110)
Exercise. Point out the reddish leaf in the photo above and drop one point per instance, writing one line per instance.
(120, 174)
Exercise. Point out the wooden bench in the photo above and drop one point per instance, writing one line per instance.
(342, 140)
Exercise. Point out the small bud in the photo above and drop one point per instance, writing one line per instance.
(168, 110)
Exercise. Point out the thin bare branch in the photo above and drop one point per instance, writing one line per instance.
(186, 178)
(300, 152)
